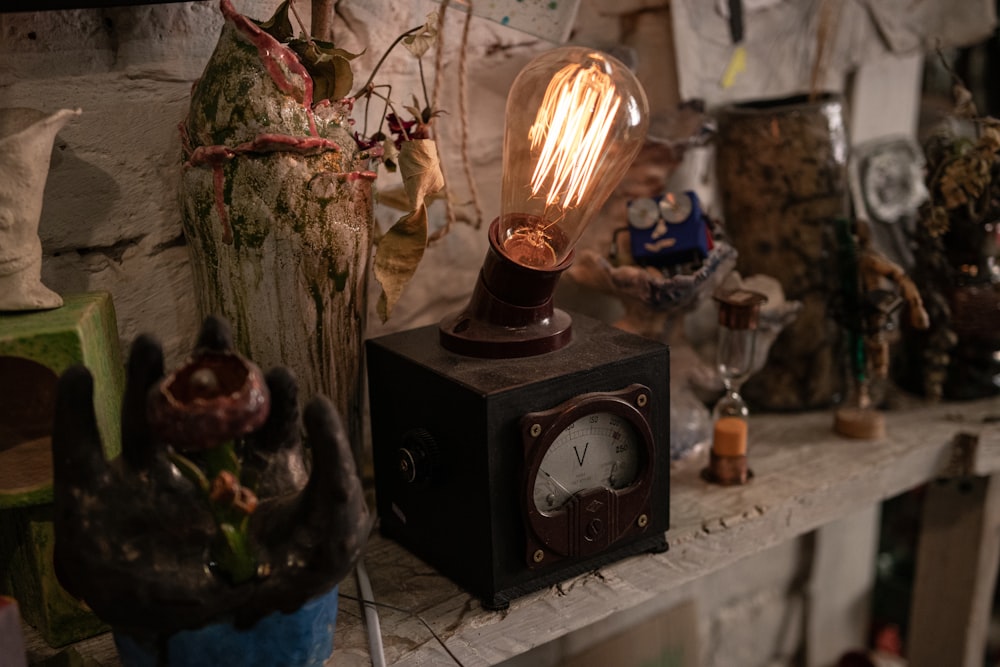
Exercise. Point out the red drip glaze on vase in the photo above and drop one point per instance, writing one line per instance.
(278, 60)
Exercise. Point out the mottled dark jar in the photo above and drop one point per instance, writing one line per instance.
(782, 170)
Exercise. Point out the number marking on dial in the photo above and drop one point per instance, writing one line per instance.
(596, 450)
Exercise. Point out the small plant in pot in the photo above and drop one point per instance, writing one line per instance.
(210, 540)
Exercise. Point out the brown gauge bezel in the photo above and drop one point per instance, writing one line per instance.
(594, 519)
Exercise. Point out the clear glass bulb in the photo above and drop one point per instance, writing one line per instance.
(576, 119)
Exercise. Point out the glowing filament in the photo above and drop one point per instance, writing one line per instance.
(571, 128)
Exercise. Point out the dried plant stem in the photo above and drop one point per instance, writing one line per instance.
(388, 103)
(298, 19)
(361, 91)
(463, 104)
(449, 208)
(322, 19)
(385, 109)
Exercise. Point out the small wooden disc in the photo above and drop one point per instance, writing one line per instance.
(859, 423)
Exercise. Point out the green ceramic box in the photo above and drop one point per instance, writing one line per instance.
(35, 348)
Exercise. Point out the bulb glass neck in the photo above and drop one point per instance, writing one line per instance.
(531, 241)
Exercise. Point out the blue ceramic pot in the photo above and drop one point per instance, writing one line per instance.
(303, 638)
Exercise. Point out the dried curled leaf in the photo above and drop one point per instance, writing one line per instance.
(420, 169)
(989, 139)
(965, 107)
(424, 38)
(966, 177)
(952, 180)
(390, 155)
(398, 254)
(279, 25)
(937, 222)
(329, 67)
(402, 247)
(394, 197)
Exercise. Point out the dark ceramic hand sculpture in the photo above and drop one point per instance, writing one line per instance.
(139, 538)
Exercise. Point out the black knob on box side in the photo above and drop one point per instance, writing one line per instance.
(419, 457)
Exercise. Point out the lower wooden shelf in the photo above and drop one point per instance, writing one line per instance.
(805, 477)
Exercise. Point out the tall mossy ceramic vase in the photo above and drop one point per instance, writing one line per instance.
(277, 210)
(782, 168)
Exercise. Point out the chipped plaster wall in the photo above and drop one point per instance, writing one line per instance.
(111, 219)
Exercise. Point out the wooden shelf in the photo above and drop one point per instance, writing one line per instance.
(806, 476)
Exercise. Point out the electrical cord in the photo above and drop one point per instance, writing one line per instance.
(415, 615)
(375, 648)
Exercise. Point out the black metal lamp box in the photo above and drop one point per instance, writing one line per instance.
(459, 469)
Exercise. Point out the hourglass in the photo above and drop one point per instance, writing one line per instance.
(738, 314)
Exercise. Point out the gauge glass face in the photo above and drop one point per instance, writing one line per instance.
(675, 208)
(597, 450)
(643, 213)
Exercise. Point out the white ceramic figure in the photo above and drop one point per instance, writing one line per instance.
(26, 139)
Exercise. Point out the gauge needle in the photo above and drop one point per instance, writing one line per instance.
(556, 482)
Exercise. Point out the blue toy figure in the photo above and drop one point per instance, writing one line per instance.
(668, 230)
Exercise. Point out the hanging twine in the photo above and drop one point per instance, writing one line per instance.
(463, 101)
(439, 53)
(829, 15)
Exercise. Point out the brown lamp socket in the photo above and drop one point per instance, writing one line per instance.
(510, 313)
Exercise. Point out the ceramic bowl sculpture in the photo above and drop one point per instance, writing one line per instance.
(210, 525)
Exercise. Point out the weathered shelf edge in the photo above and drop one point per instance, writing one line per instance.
(806, 476)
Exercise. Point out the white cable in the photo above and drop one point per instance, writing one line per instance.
(375, 649)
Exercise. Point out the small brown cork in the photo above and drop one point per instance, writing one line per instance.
(739, 308)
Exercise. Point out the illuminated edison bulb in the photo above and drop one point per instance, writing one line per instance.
(576, 118)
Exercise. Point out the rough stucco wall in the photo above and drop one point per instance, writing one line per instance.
(111, 219)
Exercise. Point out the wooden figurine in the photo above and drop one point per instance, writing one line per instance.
(882, 287)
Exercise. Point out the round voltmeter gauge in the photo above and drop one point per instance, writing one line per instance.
(598, 449)
(588, 472)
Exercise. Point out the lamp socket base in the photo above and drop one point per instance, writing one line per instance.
(511, 312)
